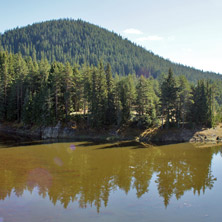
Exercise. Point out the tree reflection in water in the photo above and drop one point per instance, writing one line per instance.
(87, 173)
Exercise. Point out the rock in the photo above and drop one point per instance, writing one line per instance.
(50, 132)
(57, 132)
(66, 133)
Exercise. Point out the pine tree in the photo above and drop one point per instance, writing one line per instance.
(55, 84)
(87, 85)
(111, 108)
(39, 94)
(47, 117)
(5, 80)
(202, 108)
(98, 97)
(21, 72)
(68, 88)
(2, 111)
(78, 88)
(146, 102)
(142, 96)
(126, 94)
(210, 105)
(184, 99)
(169, 99)
(43, 73)
(93, 100)
(27, 108)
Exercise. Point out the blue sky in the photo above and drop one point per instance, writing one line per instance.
(185, 31)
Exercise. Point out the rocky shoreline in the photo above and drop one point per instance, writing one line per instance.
(60, 132)
(183, 135)
(149, 135)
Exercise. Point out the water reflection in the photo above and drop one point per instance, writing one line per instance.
(88, 173)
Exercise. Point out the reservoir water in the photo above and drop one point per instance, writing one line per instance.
(126, 181)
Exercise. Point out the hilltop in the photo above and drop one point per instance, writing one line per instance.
(80, 42)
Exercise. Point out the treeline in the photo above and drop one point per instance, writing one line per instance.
(39, 93)
(81, 42)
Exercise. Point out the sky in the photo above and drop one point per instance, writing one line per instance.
(185, 31)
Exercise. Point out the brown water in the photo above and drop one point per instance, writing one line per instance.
(81, 181)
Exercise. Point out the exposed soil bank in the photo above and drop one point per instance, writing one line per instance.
(182, 135)
(149, 135)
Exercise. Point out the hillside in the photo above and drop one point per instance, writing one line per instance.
(80, 42)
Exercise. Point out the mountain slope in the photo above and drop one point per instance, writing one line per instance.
(79, 42)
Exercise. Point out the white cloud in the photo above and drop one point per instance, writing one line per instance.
(150, 38)
(132, 31)
(171, 38)
(187, 50)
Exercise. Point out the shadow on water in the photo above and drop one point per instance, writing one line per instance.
(10, 141)
(126, 144)
(90, 177)
(133, 144)
(13, 140)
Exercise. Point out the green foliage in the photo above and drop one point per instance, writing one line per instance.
(144, 121)
(2, 110)
(184, 99)
(57, 74)
(27, 108)
(169, 99)
(80, 42)
(111, 106)
(126, 95)
(67, 88)
(37, 93)
(98, 100)
(202, 109)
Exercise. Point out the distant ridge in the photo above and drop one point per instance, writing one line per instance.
(80, 42)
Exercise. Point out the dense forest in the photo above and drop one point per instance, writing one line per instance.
(79, 42)
(37, 93)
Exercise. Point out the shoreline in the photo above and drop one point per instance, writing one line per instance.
(152, 135)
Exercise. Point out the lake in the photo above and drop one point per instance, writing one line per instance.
(126, 181)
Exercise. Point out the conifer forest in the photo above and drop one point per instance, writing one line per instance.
(39, 93)
(74, 72)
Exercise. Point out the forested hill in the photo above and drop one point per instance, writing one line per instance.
(81, 42)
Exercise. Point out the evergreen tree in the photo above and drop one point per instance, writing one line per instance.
(5, 80)
(93, 100)
(55, 84)
(184, 99)
(87, 87)
(79, 42)
(2, 111)
(98, 97)
(142, 100)
(47, 117)
(202, 108)
(27, 108)
(126, 95)
(43, 74)
(67, 88)
(21, 72)
(111, 108)
(146, 102)
(36, 93)
(78, 89)
(169, 99)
